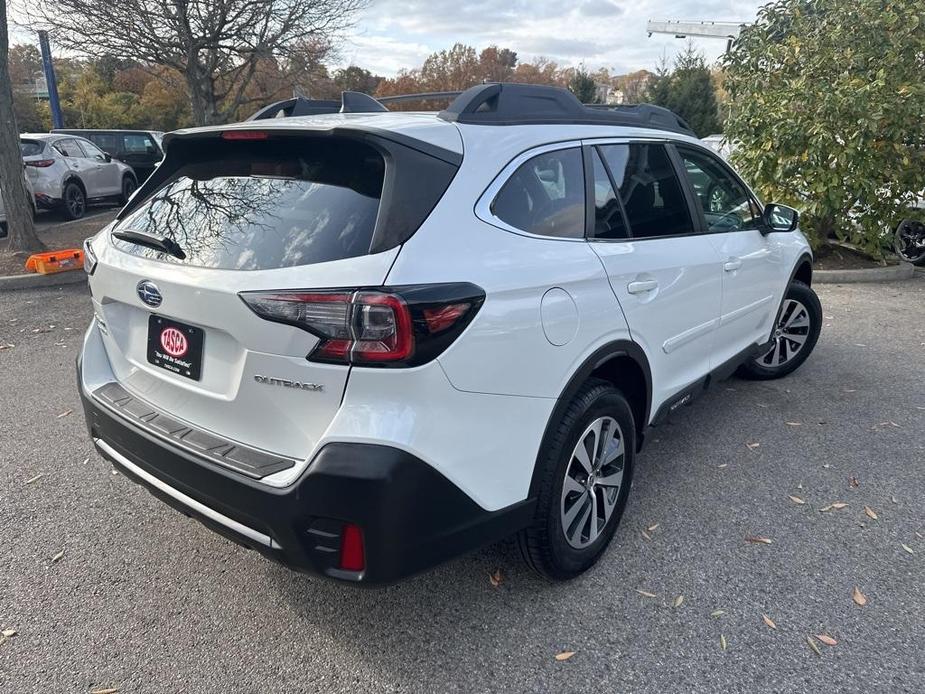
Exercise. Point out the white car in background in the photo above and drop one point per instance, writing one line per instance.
(3, 231)
(69, 172)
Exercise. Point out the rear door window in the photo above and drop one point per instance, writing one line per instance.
(545, 195)
(608, 215)
(649, 187)
(264, 205)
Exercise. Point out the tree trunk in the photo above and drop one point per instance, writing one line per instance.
(12, 177)
(201, 87)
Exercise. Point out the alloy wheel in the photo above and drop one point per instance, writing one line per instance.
(75, 201)
(593, 478)
(790, 334)
(909, 245)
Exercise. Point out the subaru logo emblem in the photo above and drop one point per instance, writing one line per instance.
(149, 293)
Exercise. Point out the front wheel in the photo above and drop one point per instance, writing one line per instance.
(584, 481)
(128, 187)
(796, 331)
(909, 242)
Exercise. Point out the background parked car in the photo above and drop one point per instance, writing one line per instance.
(3, 210)
(140, 149)
(68, 173)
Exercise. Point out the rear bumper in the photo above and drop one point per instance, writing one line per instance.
(412, 517)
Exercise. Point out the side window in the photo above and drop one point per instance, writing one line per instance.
(608, 216)
(106, 142)
(68, 148)
(137, 144)
(652, 195)
(726, 204)
(545, 195)
(92, 151)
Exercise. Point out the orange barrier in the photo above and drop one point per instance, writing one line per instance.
(56, 261)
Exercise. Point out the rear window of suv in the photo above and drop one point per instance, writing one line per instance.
(29, 148)
(263, 205)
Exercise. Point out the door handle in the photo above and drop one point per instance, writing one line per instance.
(641, 286)
(732, 264)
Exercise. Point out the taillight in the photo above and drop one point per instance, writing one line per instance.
(400, 326)
(41, 163)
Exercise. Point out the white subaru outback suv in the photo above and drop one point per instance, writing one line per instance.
(364, 342)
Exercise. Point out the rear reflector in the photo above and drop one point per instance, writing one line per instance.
(406, 326)
(351, 548)
(244, 135)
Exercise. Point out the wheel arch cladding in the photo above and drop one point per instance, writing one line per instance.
(803, 271)
(621, 363)
(75, 180)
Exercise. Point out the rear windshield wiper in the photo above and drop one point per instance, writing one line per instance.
(158, 243)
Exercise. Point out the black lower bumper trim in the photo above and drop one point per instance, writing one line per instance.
(412, 517)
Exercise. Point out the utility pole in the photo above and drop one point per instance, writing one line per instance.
(57, 119)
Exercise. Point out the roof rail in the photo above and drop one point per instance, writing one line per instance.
(506, 103)
(495, 103)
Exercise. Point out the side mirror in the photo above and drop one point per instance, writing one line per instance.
(107, 157)
(779, 218)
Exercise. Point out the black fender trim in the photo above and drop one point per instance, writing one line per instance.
(610, 351)
(804, 259)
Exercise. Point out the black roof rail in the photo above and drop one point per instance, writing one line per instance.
(299, 106)
(507, 103)
(423, 96)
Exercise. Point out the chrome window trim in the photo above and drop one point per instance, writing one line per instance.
(483, 205)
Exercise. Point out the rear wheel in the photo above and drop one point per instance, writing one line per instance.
(75, 202)
(796, 331)
(584, 482)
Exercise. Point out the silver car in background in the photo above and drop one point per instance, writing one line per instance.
(68, 173)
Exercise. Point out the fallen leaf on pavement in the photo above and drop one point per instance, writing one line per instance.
(564, 655)
(894, 500)
(870, 513)
(853, 481)
(826, 639)
(717, 613)
(794, 424)
(677, 601)
(769, 621)
(836, 506)
(722, 642)
(859, 597)
(8, 345)
(758, 540)
(36, 478)
(57, 557)
(496, 577)
(104, 691)
(8, 632)
(652, 528)
(646, 535)
(797, 500)
(752, 446)
(65, 413)
(906, 547)
(812, 644)
(723, 465)
(645, 593)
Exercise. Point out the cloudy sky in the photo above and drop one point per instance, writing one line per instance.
(396, 34)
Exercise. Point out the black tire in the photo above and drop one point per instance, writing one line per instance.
(904, 242)
(128, 187)
(760, 368)
(75, 201)
(544, 544)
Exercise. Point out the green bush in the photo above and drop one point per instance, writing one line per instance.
(827, 111)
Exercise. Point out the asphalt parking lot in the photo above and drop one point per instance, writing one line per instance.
(145, 600)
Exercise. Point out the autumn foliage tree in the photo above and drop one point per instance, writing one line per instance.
(826, 110)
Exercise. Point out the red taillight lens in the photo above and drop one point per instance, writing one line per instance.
(41, 163)
(351, 548)
(402, 327)
(244, 135)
